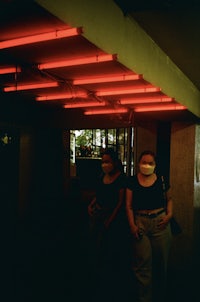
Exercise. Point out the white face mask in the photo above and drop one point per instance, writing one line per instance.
(107, 167)
(147, 169)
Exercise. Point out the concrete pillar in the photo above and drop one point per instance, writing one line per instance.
(145, 139)
(26, 155)
(197, 198)
(182, 164)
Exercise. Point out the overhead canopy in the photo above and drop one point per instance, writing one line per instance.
(107, 27)
(86, 64)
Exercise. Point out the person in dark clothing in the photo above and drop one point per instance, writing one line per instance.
(108, 226)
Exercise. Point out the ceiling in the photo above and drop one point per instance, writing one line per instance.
(174, 26)
(97, 85)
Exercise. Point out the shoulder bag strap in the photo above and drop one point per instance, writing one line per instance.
(164, 189)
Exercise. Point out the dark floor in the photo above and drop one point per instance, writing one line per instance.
(52, 262)
(53, 259)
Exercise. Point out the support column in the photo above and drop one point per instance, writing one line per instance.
(182, 163)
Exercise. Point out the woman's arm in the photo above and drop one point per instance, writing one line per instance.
(90, 206)
(130, 214)
(116, 209)
(169, 211)
(169, 205)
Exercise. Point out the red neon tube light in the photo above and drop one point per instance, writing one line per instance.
(106, 111)
(107, 79)
(159, 108)
(145, 100)
(5, 70)
(59, 34)
(78, 61)
(62, 96)
(128, 91)
(30, 86)
(82, 105)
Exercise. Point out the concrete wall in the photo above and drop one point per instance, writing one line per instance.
(182, 184)
(42, 170)
(197, 169)
(197, 198)
(184, 258)
(26, 156)
(145, 136)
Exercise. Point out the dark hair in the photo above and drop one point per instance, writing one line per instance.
(147, 152)
(113, 154)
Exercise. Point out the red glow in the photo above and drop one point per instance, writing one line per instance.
(106, 111)
(159, 108)
(81, 105)
(78, 61)
(128, 91)
(5, 70)
(62, 96)
(30, 86)
(107, 79)
(41, 37)
(145, 100)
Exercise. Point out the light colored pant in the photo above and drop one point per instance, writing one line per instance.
(150, 256)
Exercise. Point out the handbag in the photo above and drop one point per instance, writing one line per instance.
(175, 226)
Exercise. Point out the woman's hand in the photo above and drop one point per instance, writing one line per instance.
(90, 209)
(164, 222)
(135, 231)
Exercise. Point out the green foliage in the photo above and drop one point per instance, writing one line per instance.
(84, 138)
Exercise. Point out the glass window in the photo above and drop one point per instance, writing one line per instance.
(90, 143)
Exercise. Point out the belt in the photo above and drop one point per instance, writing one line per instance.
(150, 215)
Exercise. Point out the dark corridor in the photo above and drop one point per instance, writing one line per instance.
(54, 261)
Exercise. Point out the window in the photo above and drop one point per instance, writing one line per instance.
(90, 143)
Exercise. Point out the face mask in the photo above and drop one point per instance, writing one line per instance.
(147, 169)
(107, 167)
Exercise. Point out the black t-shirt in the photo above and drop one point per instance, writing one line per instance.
(107, 195)
(147, 198)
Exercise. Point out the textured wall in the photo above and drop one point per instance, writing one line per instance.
(197, 198)
(145, 139)
(182, 163)
(25, 167)
(197, 168)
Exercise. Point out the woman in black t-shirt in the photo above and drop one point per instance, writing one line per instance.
(149, 210)
(109, 226)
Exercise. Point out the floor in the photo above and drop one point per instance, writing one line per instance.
(52, 262)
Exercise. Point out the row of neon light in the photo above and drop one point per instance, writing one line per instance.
(67, 63)
(83, 94)
(73, 82)
(54, 35)
(124, 101)
(88, 60)
(137, 109)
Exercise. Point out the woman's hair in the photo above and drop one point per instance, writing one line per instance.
(147, 152)
(113, 154)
